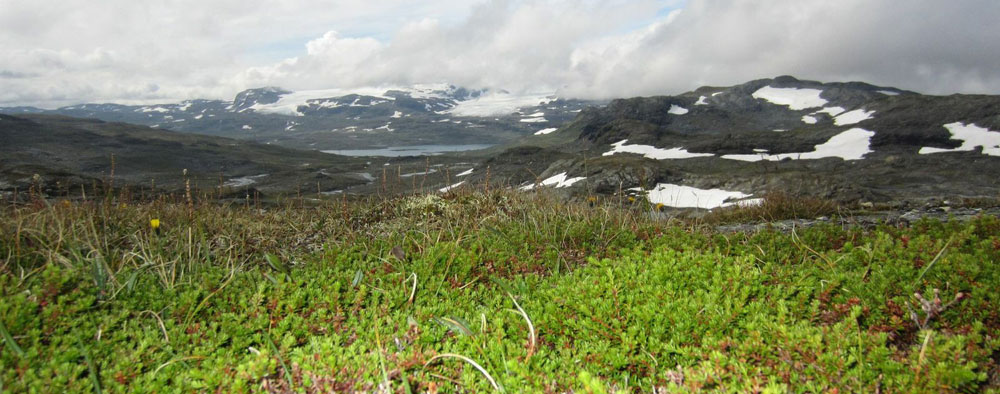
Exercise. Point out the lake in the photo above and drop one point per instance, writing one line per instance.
(412, 150)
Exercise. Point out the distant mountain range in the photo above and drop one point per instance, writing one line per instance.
(711, 147)
(348, 119)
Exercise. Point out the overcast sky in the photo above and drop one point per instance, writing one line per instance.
(63, 52)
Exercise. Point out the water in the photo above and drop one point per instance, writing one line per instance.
(412, 150)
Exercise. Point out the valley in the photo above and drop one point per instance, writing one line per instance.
(709, 148)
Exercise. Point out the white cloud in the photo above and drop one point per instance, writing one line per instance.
(931, 46)
(55, 52)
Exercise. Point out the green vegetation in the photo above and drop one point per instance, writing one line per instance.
(479, 292)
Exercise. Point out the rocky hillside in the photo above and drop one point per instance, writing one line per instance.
(721, 145)
(59, 155)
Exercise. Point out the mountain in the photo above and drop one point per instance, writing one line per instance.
(717, 145)
(69, 153)
(348, 119)
(714, 146)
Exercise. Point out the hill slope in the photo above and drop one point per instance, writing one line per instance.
(846, 141)
(67, 151)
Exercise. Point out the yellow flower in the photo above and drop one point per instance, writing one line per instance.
(155, 224)
(659, 206)
(631, 199)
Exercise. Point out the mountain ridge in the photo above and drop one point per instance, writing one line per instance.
(846, 141)
(858, 141)
(347, 119)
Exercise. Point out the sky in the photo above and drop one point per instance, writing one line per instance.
(64, 52)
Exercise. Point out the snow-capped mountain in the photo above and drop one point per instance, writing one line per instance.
(710, 147)
(349, 118)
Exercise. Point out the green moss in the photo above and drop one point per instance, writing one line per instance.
(617, 301)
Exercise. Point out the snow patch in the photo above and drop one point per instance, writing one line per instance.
(794, 98)
(701, 101)
(243, 181)
(832, 111)
(678, 196)
(545, 131)
(289, 104)
(558, 181)
(247, 127)
(466, 173)
(972, 136)
(677, 110)
(853, 117)
(397, 115)
(499, 103)
(653, 152)
(809, 119)
(852, 144)
(889, 93)
(413, 174)
(450, 188)
(534, 120)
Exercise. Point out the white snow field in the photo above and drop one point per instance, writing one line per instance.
(534, 120)
(545, 131)
(795, 99)
(678, 196)
(653, 152)
(971, 137)
(853, 117)
(852, 144)
(499, 104)
(559, 181)
(832, 111)
(677, 110)
(289, 104)
(450, 188)
(243, 181)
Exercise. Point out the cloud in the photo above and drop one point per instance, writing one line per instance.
(55, 52)
(501, 44)
(114, 50)
(930, 46)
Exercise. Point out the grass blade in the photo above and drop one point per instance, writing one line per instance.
(95, 379)
(482, 370)
(532, 335)
(456, 325)
(10, 340)
(288, 374)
